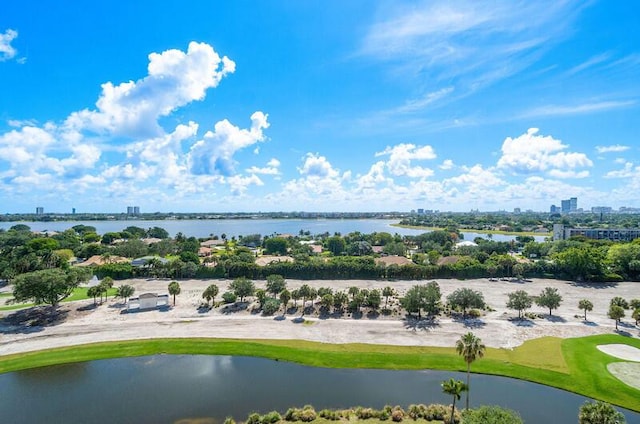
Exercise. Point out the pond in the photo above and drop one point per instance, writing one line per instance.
(170, 388)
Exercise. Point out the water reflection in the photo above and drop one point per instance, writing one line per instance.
(205, 389)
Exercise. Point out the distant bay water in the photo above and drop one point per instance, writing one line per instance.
(242, 227)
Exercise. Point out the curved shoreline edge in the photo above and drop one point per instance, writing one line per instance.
(551, 361)
(472, 230)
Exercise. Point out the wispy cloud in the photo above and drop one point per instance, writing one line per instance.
(592, 61)
(614, 148)
(469, 43)
(418, 104)
(579, 109)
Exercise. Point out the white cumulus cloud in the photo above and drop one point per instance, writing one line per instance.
(7, 51)
(531, 152)
(214, 153)
(174, 79)
(401, 155)
(270, 169)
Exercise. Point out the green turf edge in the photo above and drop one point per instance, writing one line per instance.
(587, 377)
(79, 293)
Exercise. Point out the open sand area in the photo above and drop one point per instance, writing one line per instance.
(81, 323)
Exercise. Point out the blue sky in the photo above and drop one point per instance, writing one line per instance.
(318, 105)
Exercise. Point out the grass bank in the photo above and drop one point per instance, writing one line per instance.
(572, 364)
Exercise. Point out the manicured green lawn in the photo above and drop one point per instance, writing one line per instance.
(571, 364)
(79, 293)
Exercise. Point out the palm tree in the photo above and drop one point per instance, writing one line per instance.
(125, 292)
(387, 292)
(454, 388)
(93, 292)
(470, 348)
(174, 289)
(106, 284)
(210, 293)
(285, 297)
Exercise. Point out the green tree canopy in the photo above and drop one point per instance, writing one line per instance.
(616, 313)
(276, 246)
(422, 297)
(275, 284)
(519, 301)
(466, 298)
(549, 298)
(210, 293)
(157, 232)
(336, 245)
(242, 287)
(48, 286)
(586, 305)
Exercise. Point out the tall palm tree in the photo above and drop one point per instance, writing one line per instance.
(470, 348)
(454, 388)
(174, 289)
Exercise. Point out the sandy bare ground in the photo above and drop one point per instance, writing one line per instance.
(621, 351)
(84, 324)
(627, 372)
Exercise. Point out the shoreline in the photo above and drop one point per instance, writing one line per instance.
(472, 230)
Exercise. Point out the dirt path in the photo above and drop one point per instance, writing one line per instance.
(84, 324)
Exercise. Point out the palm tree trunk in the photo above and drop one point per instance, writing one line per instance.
(468, 373)
(453, 408)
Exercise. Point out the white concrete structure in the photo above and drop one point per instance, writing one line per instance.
(147, 301)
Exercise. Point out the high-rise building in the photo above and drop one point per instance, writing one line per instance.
(133, 210)
(39, 210)
(569, 205)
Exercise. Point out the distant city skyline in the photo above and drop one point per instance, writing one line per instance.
(318, 106)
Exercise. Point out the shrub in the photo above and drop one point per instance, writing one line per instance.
(436, 411)
(292, 414)
(271, 418)
(397, 414)
(474, 313)
(366, 413)
(329, 414)
(491, 415)
(384, 415)
(229, 420)
(456, 417)
(414, 412)
(229, 297)
(270, 306)
(308, 414)
(253, 418)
